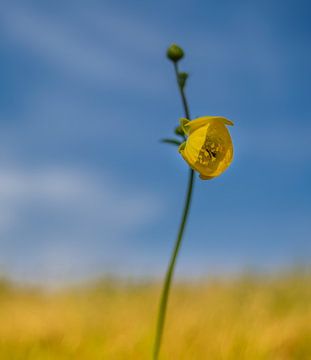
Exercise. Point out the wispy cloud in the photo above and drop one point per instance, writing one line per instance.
(98, 54)
(54, 218)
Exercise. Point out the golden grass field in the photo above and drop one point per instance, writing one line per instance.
(248, 317)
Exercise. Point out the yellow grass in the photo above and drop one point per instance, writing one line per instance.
(245, 318)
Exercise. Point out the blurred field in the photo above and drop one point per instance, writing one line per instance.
(249, 317)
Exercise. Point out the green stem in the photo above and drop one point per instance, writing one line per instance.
(182, 93)
(171, 267)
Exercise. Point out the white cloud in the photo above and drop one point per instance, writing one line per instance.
(77, 192)
(82, 50)
(65, 221)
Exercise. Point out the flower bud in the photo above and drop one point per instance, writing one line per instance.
(175, 53)
(182, 78)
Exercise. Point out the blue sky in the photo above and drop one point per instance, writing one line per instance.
(86, 93)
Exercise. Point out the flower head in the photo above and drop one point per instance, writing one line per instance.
(175, 53)
(208, 148)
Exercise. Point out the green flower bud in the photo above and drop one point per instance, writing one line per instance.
(182, 78)
(175, 53)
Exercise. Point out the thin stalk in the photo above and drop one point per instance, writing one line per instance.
(171, 266)
(182, 93)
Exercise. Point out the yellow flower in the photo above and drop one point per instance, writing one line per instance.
(208, 148)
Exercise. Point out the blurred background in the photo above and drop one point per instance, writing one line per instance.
(86, 188)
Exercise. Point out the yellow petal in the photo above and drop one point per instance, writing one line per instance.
(206, 177)
(192, 125)
(193, 145)
(182, 146)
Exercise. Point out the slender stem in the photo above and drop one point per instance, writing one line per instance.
(182, 93)
(171, 267)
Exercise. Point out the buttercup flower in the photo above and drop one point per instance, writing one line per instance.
(208, 148)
